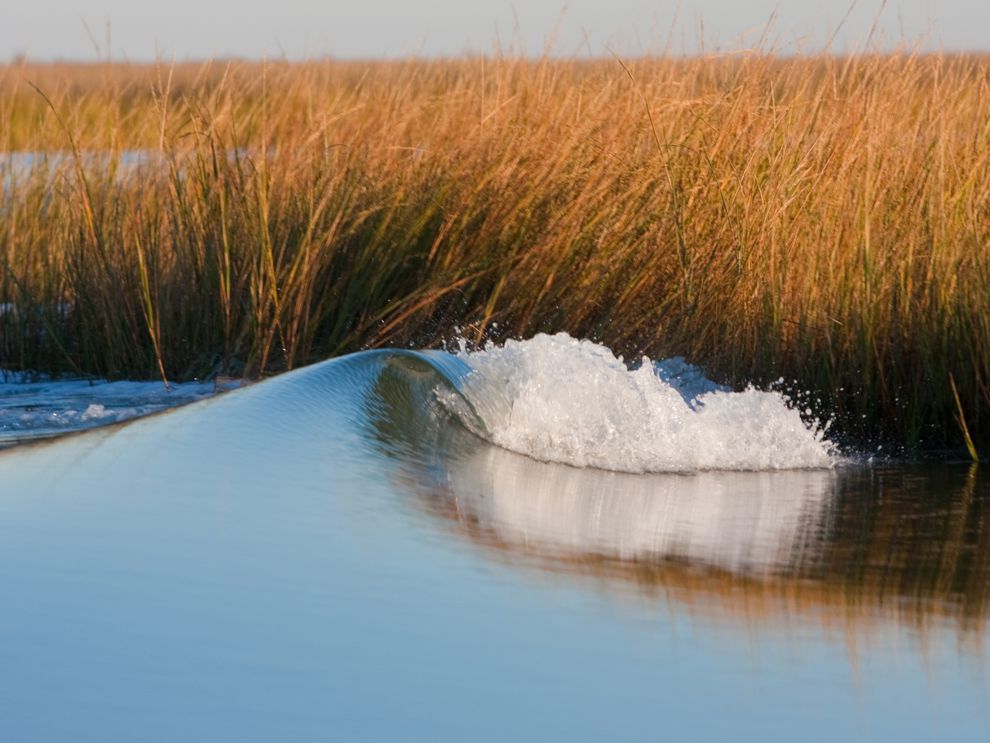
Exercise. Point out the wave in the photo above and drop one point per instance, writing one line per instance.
(558, 399)
(551, 398)
(428, 411)
(780, 540)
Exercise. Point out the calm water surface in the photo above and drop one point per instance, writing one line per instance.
(329, 556)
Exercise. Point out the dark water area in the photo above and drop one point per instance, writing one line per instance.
(333, 555)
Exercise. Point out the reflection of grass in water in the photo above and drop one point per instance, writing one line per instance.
(893, 550)
(824, 219)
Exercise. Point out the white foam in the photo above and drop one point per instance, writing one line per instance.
(558, 399)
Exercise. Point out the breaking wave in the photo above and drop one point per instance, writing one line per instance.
(551, 398)
(558, 399)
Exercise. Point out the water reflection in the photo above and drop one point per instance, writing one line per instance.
(742, 522)
(850, 546)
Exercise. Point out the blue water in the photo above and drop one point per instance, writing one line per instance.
(331, 555)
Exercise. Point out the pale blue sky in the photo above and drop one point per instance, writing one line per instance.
(139, 29)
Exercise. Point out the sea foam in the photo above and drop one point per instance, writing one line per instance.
(558, 399)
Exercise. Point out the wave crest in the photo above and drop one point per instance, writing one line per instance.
(558, 399)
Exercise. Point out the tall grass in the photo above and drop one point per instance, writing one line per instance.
(821, 219)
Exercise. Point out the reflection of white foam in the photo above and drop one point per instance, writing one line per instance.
(558, 399)
(750, 521)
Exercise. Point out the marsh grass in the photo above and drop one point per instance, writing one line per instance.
(818, 219)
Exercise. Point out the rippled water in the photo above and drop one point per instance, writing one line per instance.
(39, 409)
(334, 555)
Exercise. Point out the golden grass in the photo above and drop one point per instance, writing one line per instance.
(822, 219)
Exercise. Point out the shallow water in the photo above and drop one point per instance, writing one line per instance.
(42, 408)
(333, 554)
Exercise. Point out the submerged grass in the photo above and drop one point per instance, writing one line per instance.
(821, 219)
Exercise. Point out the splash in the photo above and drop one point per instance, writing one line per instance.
(559, 399)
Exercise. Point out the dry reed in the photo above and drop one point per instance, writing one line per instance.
(821, 219)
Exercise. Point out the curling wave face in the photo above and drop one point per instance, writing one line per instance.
(558, 399)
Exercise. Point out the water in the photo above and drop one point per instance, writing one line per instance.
(42, 408)
(333, 555)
